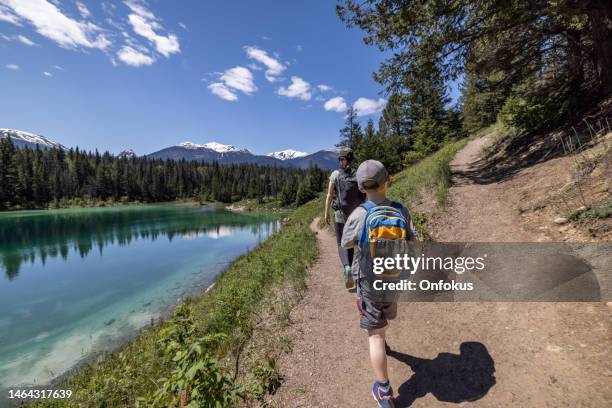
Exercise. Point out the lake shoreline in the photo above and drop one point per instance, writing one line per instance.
(242, 206)
(242, 288)
(58, 381)
(173, 252)
(111, 204)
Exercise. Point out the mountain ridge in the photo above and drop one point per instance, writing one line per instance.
(287, 154)
(323, 158)
(206, 152)
(26, 139)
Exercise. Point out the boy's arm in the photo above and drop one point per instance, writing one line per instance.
(411, 228)
(350, 234)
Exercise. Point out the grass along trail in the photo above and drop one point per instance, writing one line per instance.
(442, 354)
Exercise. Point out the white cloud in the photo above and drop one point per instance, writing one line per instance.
(299, 48)
(275, 67)
(47, 74)
(324, 88)
(7, 15)
(233, 79)
(25, 40)
(50, 22)
(297, 89)
(14, 67)
(254, 67)
(222, 91)
(165, 45)
(78, 31)
(134, 57)
(365, 106)
(83, 10)
(21, 38)
(102, 42)
(138, 7)
(108, 8)
(239, 78)
(58, 67)
(144, 23)
(336, 104)
(182, 25)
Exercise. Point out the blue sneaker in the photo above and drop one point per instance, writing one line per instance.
(383, 395)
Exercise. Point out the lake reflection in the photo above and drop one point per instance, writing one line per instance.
(80, 281)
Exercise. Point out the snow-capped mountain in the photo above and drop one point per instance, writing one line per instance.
(225, 154)
(207, 152)
(325, 159)
(127, 154)
(287, 154)
(217, 147)
(31, 140)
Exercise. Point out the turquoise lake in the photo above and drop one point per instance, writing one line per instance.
(77, 282)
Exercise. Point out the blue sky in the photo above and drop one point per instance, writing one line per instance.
(112, 75)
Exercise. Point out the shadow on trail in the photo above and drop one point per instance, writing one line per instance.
(449, 377)
(516, 152)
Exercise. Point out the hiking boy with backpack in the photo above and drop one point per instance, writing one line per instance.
(381, 228)
(346, 196)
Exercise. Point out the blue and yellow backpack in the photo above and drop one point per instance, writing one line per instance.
(386, 232)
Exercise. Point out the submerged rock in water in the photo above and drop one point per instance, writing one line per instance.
(109, 322)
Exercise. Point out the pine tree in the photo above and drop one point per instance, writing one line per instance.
(8, 171)
(288, 193)
(393, 121)
(351, 134)
(37, 178)
(555, 58)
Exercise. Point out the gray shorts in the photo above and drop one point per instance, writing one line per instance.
(375, 315)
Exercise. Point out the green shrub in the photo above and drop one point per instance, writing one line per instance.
(531, 113)
(430, 174)
(196, 379)
(603, 210)
(411, 157)
(266, 379)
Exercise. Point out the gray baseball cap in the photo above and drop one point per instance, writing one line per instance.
(373, 171)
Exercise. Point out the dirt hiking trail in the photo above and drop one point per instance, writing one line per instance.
(444, 354)
(478, 212)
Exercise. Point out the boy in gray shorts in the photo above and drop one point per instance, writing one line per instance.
(373, 179)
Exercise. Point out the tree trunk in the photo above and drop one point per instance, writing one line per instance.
(600, 16)
(575, 61)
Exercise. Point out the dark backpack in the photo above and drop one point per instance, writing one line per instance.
(348, 196)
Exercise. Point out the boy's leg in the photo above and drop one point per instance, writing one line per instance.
(378, 354)
(374, 317)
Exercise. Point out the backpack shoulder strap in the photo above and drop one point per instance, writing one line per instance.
(397, 205)
(368, 205)
(411, 230)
